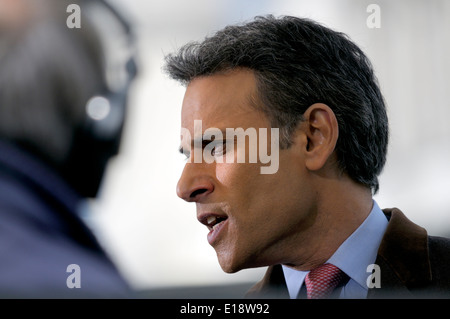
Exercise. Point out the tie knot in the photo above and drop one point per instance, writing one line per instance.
(321, 281)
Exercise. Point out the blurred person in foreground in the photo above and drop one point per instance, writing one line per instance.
(313, 220)
(63, 95)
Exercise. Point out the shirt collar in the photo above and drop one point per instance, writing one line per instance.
(359, 250)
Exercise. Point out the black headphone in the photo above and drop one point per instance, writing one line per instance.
(98, 137)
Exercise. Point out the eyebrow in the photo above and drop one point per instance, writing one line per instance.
(195, 141)
(203, 142)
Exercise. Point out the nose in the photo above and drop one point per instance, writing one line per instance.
(194, 185)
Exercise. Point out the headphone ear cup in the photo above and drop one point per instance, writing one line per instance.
(95, 141)
(105, 117)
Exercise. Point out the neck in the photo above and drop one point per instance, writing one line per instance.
(342, 207)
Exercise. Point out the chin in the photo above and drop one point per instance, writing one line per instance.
(228, 265)
(229, 269)
(232, 264)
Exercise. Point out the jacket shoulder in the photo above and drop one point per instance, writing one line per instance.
(439, 250)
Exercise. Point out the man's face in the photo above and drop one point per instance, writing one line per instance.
(253, 219)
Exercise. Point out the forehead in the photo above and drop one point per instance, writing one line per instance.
(223, 100)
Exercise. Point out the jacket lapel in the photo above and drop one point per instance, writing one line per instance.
(403, 258)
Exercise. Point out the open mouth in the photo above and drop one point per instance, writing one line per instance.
(215, 224)
(212, 222)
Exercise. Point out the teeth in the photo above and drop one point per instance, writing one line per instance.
(214, 227)
(210, 220)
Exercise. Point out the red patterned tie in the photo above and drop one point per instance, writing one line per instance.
(321, 281)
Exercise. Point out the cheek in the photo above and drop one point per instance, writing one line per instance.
(224, 174)
(236, 175)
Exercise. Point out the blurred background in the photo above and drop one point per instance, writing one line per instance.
(155, 238)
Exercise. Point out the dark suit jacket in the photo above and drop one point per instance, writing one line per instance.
(41, 235)
(412, 264)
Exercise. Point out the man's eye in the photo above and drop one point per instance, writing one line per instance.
(219, 148)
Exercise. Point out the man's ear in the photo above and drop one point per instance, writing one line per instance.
(321, 130)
